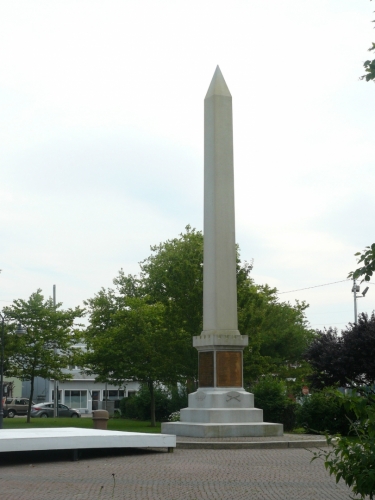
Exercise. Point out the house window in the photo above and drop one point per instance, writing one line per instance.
(76, 399)
(113, 395)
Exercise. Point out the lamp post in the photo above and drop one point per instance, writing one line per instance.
(356, 290)
(19, 331)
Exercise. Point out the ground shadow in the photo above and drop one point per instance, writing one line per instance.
(30, 457)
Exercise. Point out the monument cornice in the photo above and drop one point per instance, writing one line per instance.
(216, 339)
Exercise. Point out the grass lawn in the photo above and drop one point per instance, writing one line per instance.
(114, 424)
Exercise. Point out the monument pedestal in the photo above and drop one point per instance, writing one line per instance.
(221, 407)
(221, 412)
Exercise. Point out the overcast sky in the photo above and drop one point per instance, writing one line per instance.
(101, 140)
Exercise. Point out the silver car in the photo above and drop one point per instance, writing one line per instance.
(45, 410)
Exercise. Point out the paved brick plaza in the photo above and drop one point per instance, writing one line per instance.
(182, 475)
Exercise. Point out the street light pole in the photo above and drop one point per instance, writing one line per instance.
(356, 289)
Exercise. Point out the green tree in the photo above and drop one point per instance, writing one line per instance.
(345, 360)
(278, 332)
(369, 67)
(128, 339)
(173, 276)
(171, 284)
(366, 259)
(48, 346)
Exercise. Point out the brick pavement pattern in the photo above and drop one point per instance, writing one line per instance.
(182, 475)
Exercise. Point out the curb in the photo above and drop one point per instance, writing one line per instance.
(240, 445)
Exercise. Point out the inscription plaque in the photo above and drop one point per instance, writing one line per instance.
(206, 369)
(229, 369)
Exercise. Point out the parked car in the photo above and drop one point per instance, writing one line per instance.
(16, 406)
(45, 410)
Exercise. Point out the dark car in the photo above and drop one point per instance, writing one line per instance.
(15, 406)
(45, 410)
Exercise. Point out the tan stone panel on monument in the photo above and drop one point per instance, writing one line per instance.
(206, 369)
(228, 369)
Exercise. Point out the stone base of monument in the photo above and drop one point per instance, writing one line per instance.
(224, 412)
(243, 429)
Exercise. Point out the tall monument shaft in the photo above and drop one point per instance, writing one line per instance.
(219, 271)
(220, 344)
(220, 407)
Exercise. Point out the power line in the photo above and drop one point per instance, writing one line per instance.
(341, 323)
(316, 286)
(289, 291)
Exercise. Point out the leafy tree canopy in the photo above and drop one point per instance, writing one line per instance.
(344, 360)
(367, 264)
(369, 67)
(173, 276)
(129, 339)
(48, 346)
(136, 345)
(169, 292)
(278, 332)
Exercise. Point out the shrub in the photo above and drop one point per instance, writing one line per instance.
(353, 460)
(270, 396)
(323, 412)
(128, 407)
(167, 401)
(174, 417)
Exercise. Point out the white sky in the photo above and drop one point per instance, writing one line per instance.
(101, 140)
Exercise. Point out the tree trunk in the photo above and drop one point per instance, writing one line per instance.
(150, 384)
(30, 398)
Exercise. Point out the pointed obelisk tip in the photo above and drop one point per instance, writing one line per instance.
(218, 85)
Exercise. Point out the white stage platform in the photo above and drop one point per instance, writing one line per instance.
(72, 438)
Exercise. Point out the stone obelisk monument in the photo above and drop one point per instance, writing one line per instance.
(220, 407)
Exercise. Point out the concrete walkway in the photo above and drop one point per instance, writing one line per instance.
(186, 474)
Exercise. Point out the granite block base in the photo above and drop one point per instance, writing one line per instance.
(199, 430)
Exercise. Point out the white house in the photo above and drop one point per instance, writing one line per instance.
(80, 392)
(83, 393)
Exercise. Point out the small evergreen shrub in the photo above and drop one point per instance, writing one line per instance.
(270, 394)
(353, 460)
(167, 401)
(128, 408)
(324, 412)
(288, 418)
